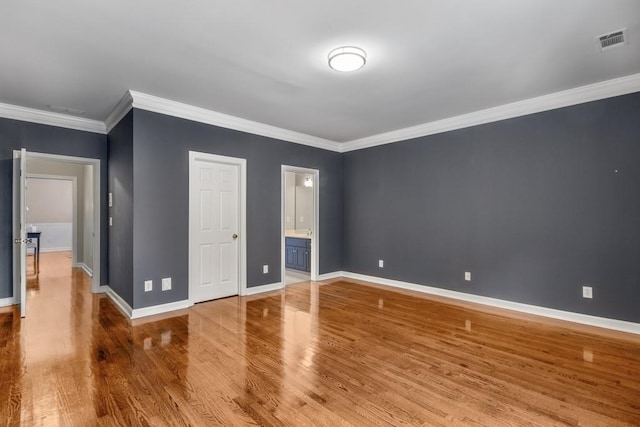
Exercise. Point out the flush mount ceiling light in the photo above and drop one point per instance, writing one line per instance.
(347, 58)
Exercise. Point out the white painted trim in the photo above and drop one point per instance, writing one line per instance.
(160, 309)
(242, 261)
(593, 92)
(95, 282)
(202, 115)
(6, 302)
(50, 118)
(59, 250)
(315, 229)
(579, 95)
(264, 288)
(330, 276)
(124, 307)
(122, 108)
(86, 269)
(601, 322)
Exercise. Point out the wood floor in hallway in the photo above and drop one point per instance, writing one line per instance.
(314, 354)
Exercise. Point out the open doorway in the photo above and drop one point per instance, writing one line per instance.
(51, 205)
(300, 210)
(60, 219)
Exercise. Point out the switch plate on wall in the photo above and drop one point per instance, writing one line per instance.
(265, 269)
(381, 263)
(166, 284)
(110, 221)
(467, 276)
(110, 199)
(587, 292)
(148, 285)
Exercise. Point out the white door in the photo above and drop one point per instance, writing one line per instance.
(215, 226)
(20, 230)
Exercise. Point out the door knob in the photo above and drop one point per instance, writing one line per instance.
(235, 236)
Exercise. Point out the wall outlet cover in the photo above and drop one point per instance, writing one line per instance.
(467, 276)
(587, 292)
(166, 284)
(148, 285)
(381, 263)
(265, 269)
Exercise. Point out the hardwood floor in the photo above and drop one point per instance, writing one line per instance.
(334, 354)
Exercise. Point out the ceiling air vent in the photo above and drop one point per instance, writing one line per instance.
(611, 40)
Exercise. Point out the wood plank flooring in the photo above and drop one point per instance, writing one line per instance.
(336, 354)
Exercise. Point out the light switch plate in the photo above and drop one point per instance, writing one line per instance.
(467, 276)
(166, 284)
(381, 263)
(110, 199)
(265, 269)
(148, 285)
(587, 292)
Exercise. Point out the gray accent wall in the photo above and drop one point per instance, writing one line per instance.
(160, 211)
(534, 207)
(121, 211)
(14, 135)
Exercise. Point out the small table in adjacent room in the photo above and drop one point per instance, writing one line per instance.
(36, 249)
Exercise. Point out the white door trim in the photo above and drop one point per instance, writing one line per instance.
(97, 206)
(315, 229)
(242, 246)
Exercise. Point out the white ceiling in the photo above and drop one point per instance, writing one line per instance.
(265, 61)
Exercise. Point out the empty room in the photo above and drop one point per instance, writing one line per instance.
(281, 213)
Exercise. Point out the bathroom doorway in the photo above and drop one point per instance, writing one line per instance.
(299, 224)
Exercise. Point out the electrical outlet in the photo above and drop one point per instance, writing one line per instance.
(587, 292)
(265, 269)
(467, 276)
(381, 263)
(110, 199)
(148, 285)
(166, 284)
(110, 221)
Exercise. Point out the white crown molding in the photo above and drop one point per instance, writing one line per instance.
(50, 118)
(579, 95)
(133, 99)
(176, 109)
(585, 319)
(122, 108)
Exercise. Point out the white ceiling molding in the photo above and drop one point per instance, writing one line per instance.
(122, 108)
(133, 99)
(579, 95)
(202, 115)
(50, 118)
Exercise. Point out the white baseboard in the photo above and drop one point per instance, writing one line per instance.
(86, 269)
(601, 322)
(263, 288)
(160, 309)
(118, 301)
(60, 249)
(332, 275)
(6, 302)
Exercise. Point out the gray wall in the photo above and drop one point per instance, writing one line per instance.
(16, 134)
(534, 207)
(121, 186)
(161, 208)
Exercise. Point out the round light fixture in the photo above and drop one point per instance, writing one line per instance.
(347, 58)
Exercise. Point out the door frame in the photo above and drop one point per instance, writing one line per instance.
(315, 229)
(242, 213)
(96, 163)
(74, 207)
